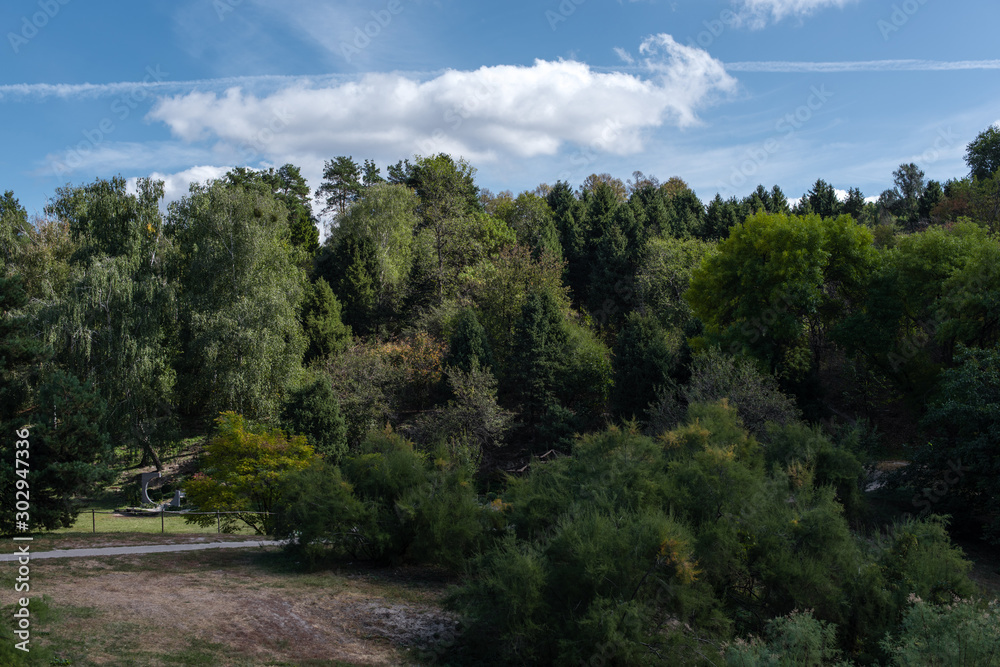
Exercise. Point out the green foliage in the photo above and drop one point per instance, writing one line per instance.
(472, 422)
(926, 295)
(290, 188)
(559, 373)
(351, 268)
(617, 586)
(502, 285)
(823, 200)
(538, 361)
(241, 295)
(793, 640)
(114, 326)
(588, 379)
(665, 276)
(341, 185)
(241, 471)
(326, 333)
(914, 558)
(367, 386)
(385, 216)
(14, 229)
(318, 512)
(983, 153)
(963, 632)
(645, 360)
(778, 283)
(714, 376)
(532, 221)
(68, 454)
(469, 346)
(962, 463)
(313, 411)
(797, 444)
(422, 507)
(20, 353)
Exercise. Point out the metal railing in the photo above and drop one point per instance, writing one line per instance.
(163, 514)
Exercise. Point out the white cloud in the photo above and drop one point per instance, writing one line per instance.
(511, 110)
(176, 186)
(624, 56)
(111, 156)
(757, 12)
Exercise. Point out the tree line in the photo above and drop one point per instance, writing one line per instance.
(645, 422)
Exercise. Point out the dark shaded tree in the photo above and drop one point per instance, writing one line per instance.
(325, 332)
(313, 411)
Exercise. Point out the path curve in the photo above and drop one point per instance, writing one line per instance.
(126, 551)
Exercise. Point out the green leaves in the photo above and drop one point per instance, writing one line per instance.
(242, 470)
(240, 294)
(778, 283)
(983, 153)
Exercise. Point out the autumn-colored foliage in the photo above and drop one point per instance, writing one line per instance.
(241, 472)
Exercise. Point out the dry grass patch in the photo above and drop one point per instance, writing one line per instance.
(227, 607)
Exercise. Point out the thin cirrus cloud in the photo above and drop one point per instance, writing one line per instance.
(757, 13)
(864, 66)
(519, 111)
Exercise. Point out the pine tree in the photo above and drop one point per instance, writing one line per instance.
(326, 333)
(469, 345)
(313, 411)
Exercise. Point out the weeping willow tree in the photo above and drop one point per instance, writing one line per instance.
(114, 326)
(240, 298)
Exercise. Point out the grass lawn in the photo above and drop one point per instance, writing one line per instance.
(114, 523)
(232, 608)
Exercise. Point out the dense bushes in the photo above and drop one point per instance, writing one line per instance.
(388, 503)
(634, 549)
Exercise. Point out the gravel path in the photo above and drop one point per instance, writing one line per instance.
(126, 551)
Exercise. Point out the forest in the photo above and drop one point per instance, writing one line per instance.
(638, 428)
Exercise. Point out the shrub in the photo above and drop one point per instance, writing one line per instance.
(313, 411)
(424, 507)
(242, 469)
(795, 640)
(320, 516)
(963, 632)
(715, 375)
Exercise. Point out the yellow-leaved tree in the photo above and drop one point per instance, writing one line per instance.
(242, 469)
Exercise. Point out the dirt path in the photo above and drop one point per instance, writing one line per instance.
(134, 550)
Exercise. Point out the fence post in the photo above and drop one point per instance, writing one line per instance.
(218, 523)
(93, 519)
(162, 525)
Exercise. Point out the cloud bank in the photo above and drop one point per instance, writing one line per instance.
(520, 111)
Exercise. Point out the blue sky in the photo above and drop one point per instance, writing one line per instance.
(724, 94)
